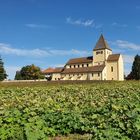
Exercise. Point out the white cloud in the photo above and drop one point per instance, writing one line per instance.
(83, 22)
(68, 52)
(60, 65)
(98, 26)
(115, 24)
(8, 50)
(32, 25)
(128, 58)
(126, 45)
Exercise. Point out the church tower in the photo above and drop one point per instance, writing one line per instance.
(101, 52)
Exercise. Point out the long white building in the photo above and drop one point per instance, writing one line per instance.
(103, 65)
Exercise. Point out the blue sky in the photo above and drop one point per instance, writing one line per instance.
(49, 32)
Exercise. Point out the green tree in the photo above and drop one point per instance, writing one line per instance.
(135, 73)
(3, 74)
(29, 72)
(136, 68)
(18, 76)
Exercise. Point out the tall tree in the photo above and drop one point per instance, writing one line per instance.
(18, 76)
(29, 72)
(3, 74)
(136, 68)
(135, 73)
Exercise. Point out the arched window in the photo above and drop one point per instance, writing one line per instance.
(111, 69)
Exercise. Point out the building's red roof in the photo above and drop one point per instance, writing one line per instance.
(52, 70)
(101, 44)
(113, 57)
(58, 70)
(88, 59)
(48, 70)
(98, 68)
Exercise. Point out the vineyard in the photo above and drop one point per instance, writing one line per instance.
(96, 111)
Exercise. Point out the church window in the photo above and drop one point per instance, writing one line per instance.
(99, 52)
(111, 69)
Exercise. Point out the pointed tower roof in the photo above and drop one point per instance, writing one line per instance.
(101, 44)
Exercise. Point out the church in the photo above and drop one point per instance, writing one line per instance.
(103, 65)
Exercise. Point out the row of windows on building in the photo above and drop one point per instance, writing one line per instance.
(83, 65)
(82, 74)
(74, 74)
(88, 65)
(97, 74)
(101, 52)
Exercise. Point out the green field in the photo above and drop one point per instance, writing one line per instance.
(72, 111)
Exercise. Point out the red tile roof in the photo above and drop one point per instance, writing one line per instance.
(49, 70)
(53, 70)
(113, 57)
(58, 70)
(80, 60)
(101, 44)
(84, 69)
